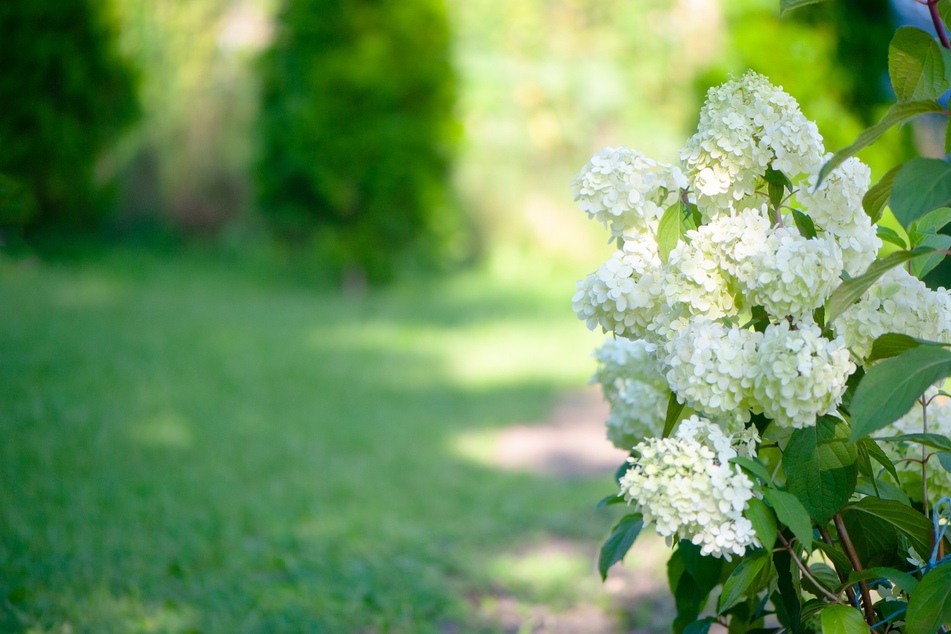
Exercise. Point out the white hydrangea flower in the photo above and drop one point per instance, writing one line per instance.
(898, 302)
(939, 422)
(626, 191)
(800, 374)
(838, 200)
(836, 208)
(687, 488)
(626, 293)
(746, 125)
(634, 388)
(695, 279)
(789, 274)
(712, 367)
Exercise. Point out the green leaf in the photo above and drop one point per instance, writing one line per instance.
(909, 522)
(700, 627)
(792, 513)
(788, 589)
(621, 539)
(764, 523)
(673, 225)
(882, 489)
(877, 195)
(944, 459)
(842, 619)
(851, 384)
(935, 441)
(807, 228)
(751, 576)
(922, 185)
(944, 11)
(893, 344)
(930, 604)
(875, 541)
(892, 386)
(785, 6)
(755, 468)
(929, 224)
(776, 177)
(899, 113)
(901, 579)
(851, 290)
(776, 194)
(610, 500)
(923, 266)
(878, 454)
(674, 409)
(820, 468)
(825, 575)
(947, 134)
(915, 66)
(704, 569)
(836, 556)
(890, 235)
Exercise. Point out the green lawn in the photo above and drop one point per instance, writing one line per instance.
(184, 448)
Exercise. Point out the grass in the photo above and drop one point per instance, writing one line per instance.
(189, 449)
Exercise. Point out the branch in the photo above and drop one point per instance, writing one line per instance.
(805, 570)
(844, 578)
(857, 564)
(938, 24)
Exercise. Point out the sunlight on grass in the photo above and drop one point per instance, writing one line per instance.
(167, 429)
(551, 571)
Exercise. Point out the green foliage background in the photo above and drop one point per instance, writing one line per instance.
(66, 95)
(358, 130)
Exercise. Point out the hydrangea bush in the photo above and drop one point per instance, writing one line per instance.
(776, 382)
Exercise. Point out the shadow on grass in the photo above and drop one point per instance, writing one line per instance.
(186, 452)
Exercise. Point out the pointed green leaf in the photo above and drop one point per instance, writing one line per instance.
(877, 195)
(922, 185)
(820, 468)
(929, 607)
(763, 520)
(882, 489)
(836, 556)
(792, 513)
(915, 66)
(700, 627)
(890, 235)
(826, 577)
(621, 539)
(891, 387)
(610, 500)
(899, 113)
(893, 344)
(922, 266)
(807, 228)
(901, 579)
(935, 441)
(878, 454)
(909, 522)
(785, 6)
(944, 459)
(944, 11)
(751, 576)
(851, 290)
(755, 468)
(674, 409)
(842, 619)
(931, 223)
(675, 222)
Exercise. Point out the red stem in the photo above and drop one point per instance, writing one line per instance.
(938, 24)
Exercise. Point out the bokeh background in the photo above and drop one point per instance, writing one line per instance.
(285, 331)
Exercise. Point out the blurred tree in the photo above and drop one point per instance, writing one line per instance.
(358, 132)
(66, 96)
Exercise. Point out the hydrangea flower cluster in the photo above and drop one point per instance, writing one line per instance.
(688, 489)
(727, 306)
(634, 388)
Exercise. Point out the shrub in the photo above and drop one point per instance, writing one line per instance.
(66, 95)
(358, 131)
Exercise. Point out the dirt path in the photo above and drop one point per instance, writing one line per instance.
(571, 443)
